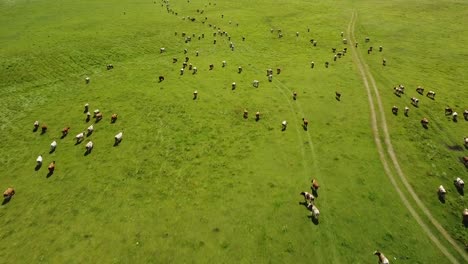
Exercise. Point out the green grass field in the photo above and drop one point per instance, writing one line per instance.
(194, 182)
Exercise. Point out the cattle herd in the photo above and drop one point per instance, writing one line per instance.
(309, 198)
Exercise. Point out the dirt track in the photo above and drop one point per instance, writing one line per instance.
(366, 77)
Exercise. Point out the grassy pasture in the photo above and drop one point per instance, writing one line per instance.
(194, 182)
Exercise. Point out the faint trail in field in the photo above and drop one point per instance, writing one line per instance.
(365, 74)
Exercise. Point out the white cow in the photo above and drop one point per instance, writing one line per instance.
(441, 191)
(284, 124)
(382, 258)
(465, 140)
(315, 211)
(162, 50)
(39, 160)
(53, 145)
(79, 137)
(459, 183)
(255, 83)
(89, 146)
(118, 137)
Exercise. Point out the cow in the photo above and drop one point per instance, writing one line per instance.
(420, 90)
(39, 160)
(233, 85)
(465, 141)
(79, 137)
(211, 67)
(53, 146)
(269, 72)
(315, 186)
(96, 112)
(382, 258)
(89, 147)
(224, 64)
(194, 70)
(315, 213)
(455, 116)
(161, 78)
(326, 64)
(278, 70)
(441, 192)
(182, 71)
(398, 91)
(465, 161)
(305, 123)
(110, 67)
(312, 64)
(90, 130)
(185, 51)
(431, 94)
(43, 129)
(424, 122)
(36, 125)
(87, 80)
(414, 101)
(459, 184)
(190, 66)
(465, 216)
(246, 114)
(284, 124)
(465, 115)
(8, 193)
(113, 118)
(345, 41)
(98, 117)
(406, 110)
(270, 78)
(255, 83)
(257, 116)
(86, 108)
(51, 167)
(239, 69)
(161, 50)
(308, 197)
(294, 95)
(195, 94)
(88, 116)
(118, 138)
(196, 53)
(380, 49)
(448, 111)
(65, 131)
(335, 57)
(384, 62)
(174, 60)
(395, 110)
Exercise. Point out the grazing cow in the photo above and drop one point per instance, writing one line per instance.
(465, 216)
(278, 70)
(118, 138)
(246, 113)
(255, 83)
(455, 116)
(406, 110)
(257, 116)
(356, 44)
(382, 258)
(395, 110)
(161, 50)
(334, 50)
(465, 161)
(98, 117)
(345, 41)
(96, 112)
(414, 101)
(305, 123)
(79, 137)
(90, 129)
(315, 43)
(312, 64)
(161, 78)
(113, 118)
(36, 125)
(280, 35)
(195, 94)
(297, 34)
(53, 146)
(441, 192)
(294, 95)
(185, 50)
(337, 95)
(8, 193)
(88, 116)
(196, 53)
(384, 62)
(233, 85)
(39, 160)
(448, 111)
(335, 57)
(86, 108)
(459, 183)
(431, 94)
(87, 80)
(89, 147)
(51, 167)
(182, 71)
(211, 67)
(224, 64)
(315, 185)
(190, 66)
(110, 66)
(174, 60)
(239, 69)
(465, 141)
(465, 115)
(270, 78)
(424, 122)
(194, 70)
(65, 130)
(44, 129)
(269, 72)
(420, 90)
(284, 124)
(326, 64)
(314, 210)
(308, 197)
(380, 49)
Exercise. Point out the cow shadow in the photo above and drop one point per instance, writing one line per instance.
(455, 120)
(43, 132)
(78, 142)
(465, 223)
(406, 114)
(283, 129)
(38, 166)
(97, 121)
(314, 192)
(425, 126)
(337, 98)
(460, 191)
(6, 200)
(304, 127)
(441, 199)
(52, 151)
(50, 174)
(313, 219)
(117, 142)
(89, 133)
(35, 129)
(395, 113)
(87, 152)
(87, 119)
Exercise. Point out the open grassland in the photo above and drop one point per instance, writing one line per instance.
(192, 180)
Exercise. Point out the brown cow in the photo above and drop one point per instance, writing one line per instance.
(65, 131)
(315, 185)
(113, 118)
(424, 122)
(305, 123)
(51, 167)
(8, 193)
(44, 129)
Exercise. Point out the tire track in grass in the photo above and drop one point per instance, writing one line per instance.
(366, 76)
